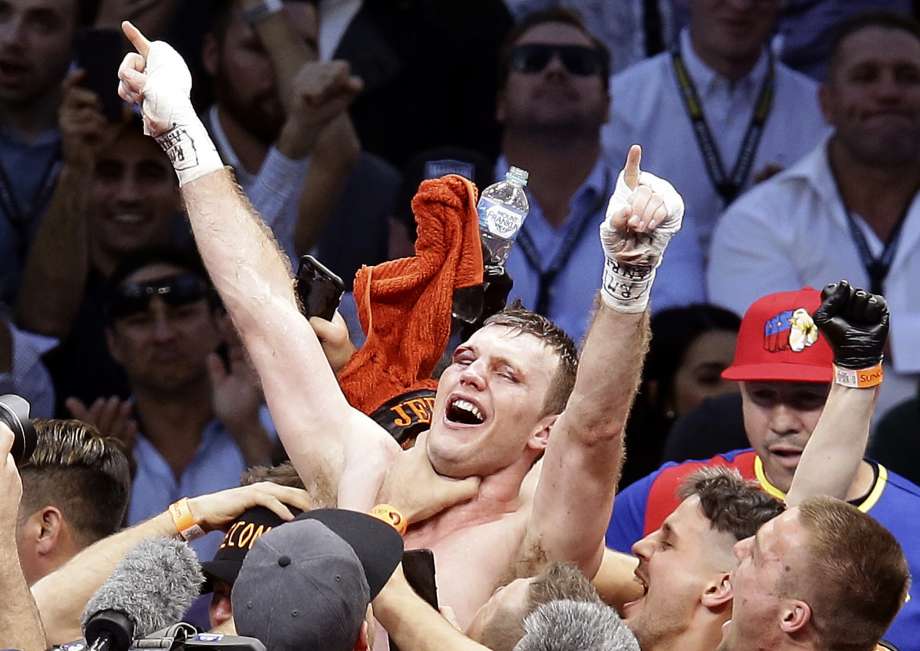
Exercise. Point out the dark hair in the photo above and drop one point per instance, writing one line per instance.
(553, 15)
(673, 332)
(524, 321)
(731, 503)
(858, 577)
(82, 473)
(864, 20)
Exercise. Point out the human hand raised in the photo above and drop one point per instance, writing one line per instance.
(112, 417)
(82, 124)
(217, 510)
(643, 214)
(855, 323)
(320, 92)
(156, 78)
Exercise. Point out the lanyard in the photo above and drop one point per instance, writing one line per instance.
(876, 268)
(728, 187)
(547, 277)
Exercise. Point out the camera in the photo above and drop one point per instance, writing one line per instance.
(14, 413)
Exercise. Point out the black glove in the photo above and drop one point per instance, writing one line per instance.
(855, 323)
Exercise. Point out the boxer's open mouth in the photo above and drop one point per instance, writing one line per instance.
(460, 410)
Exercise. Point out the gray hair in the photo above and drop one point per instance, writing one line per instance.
(566, 625)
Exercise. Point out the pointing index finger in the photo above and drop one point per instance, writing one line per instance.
(631, 169)
(138, 40)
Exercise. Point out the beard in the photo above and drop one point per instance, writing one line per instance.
(893, 148)
(262, 115)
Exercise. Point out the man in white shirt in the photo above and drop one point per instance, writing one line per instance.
(727, 73)
(849, 208)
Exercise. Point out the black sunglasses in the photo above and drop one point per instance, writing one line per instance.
(131, 298)
(578, 59)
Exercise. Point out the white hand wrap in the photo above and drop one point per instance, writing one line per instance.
(170, 117)
(633, 257)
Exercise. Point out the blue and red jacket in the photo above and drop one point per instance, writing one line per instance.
(894, 501)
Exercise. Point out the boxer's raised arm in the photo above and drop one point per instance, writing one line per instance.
(855, 324)
(574, 497)
(314, 421)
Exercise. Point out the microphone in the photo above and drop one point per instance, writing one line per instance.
(14, 413)
(151, 588)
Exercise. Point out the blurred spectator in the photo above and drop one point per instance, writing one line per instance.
(785, 378)
(21, 368)
(849, 209)
(716, 113)
(75, 491)
(36, 39)
(429, 69)
(690, 347)
(292, 145)
(631, 29)
(116, 195)
(198, 414)
(552, 103)
(896, 442)
(805, 30)
(716, 425)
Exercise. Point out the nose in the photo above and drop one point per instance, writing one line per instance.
(473, 376)
(127, 192)
(642, 549)
(784, 420)
(163, 329)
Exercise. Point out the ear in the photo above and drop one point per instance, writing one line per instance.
(795, 616)
(220, 610)
(210, 54)
(539, 439)
(826, 101)
(361, 644)
(718, 593)
(50, 530)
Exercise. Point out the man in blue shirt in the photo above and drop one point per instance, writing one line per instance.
(552, 103)
(36, 37)
(199, 424)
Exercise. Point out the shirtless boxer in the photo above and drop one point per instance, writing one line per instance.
(497, 409)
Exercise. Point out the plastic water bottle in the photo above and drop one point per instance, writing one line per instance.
(502, 208)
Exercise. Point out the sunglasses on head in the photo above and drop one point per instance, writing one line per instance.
(578, 59)
(131, 298)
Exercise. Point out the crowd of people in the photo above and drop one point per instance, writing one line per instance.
(693, 428)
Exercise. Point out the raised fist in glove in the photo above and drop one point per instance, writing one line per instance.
(642, 216)
(855, 323)
(157, 78)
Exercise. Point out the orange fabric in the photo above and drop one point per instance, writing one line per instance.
(405, 305)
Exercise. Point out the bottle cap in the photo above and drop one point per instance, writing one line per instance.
(518, 175)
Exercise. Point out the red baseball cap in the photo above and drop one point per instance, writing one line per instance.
(779, 341)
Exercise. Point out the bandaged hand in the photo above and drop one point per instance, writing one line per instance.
(642, 216)
(157, 78)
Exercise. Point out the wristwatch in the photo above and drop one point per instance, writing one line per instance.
(261, 11)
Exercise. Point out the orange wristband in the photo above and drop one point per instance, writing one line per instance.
(391, 516)
(185, 522)
(864, 378)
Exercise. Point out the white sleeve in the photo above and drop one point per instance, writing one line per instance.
(275, 193)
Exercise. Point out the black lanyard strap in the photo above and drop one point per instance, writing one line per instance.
(546, 277)
(728, 187)
(877, 268)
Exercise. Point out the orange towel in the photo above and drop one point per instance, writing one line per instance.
(405, 305)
